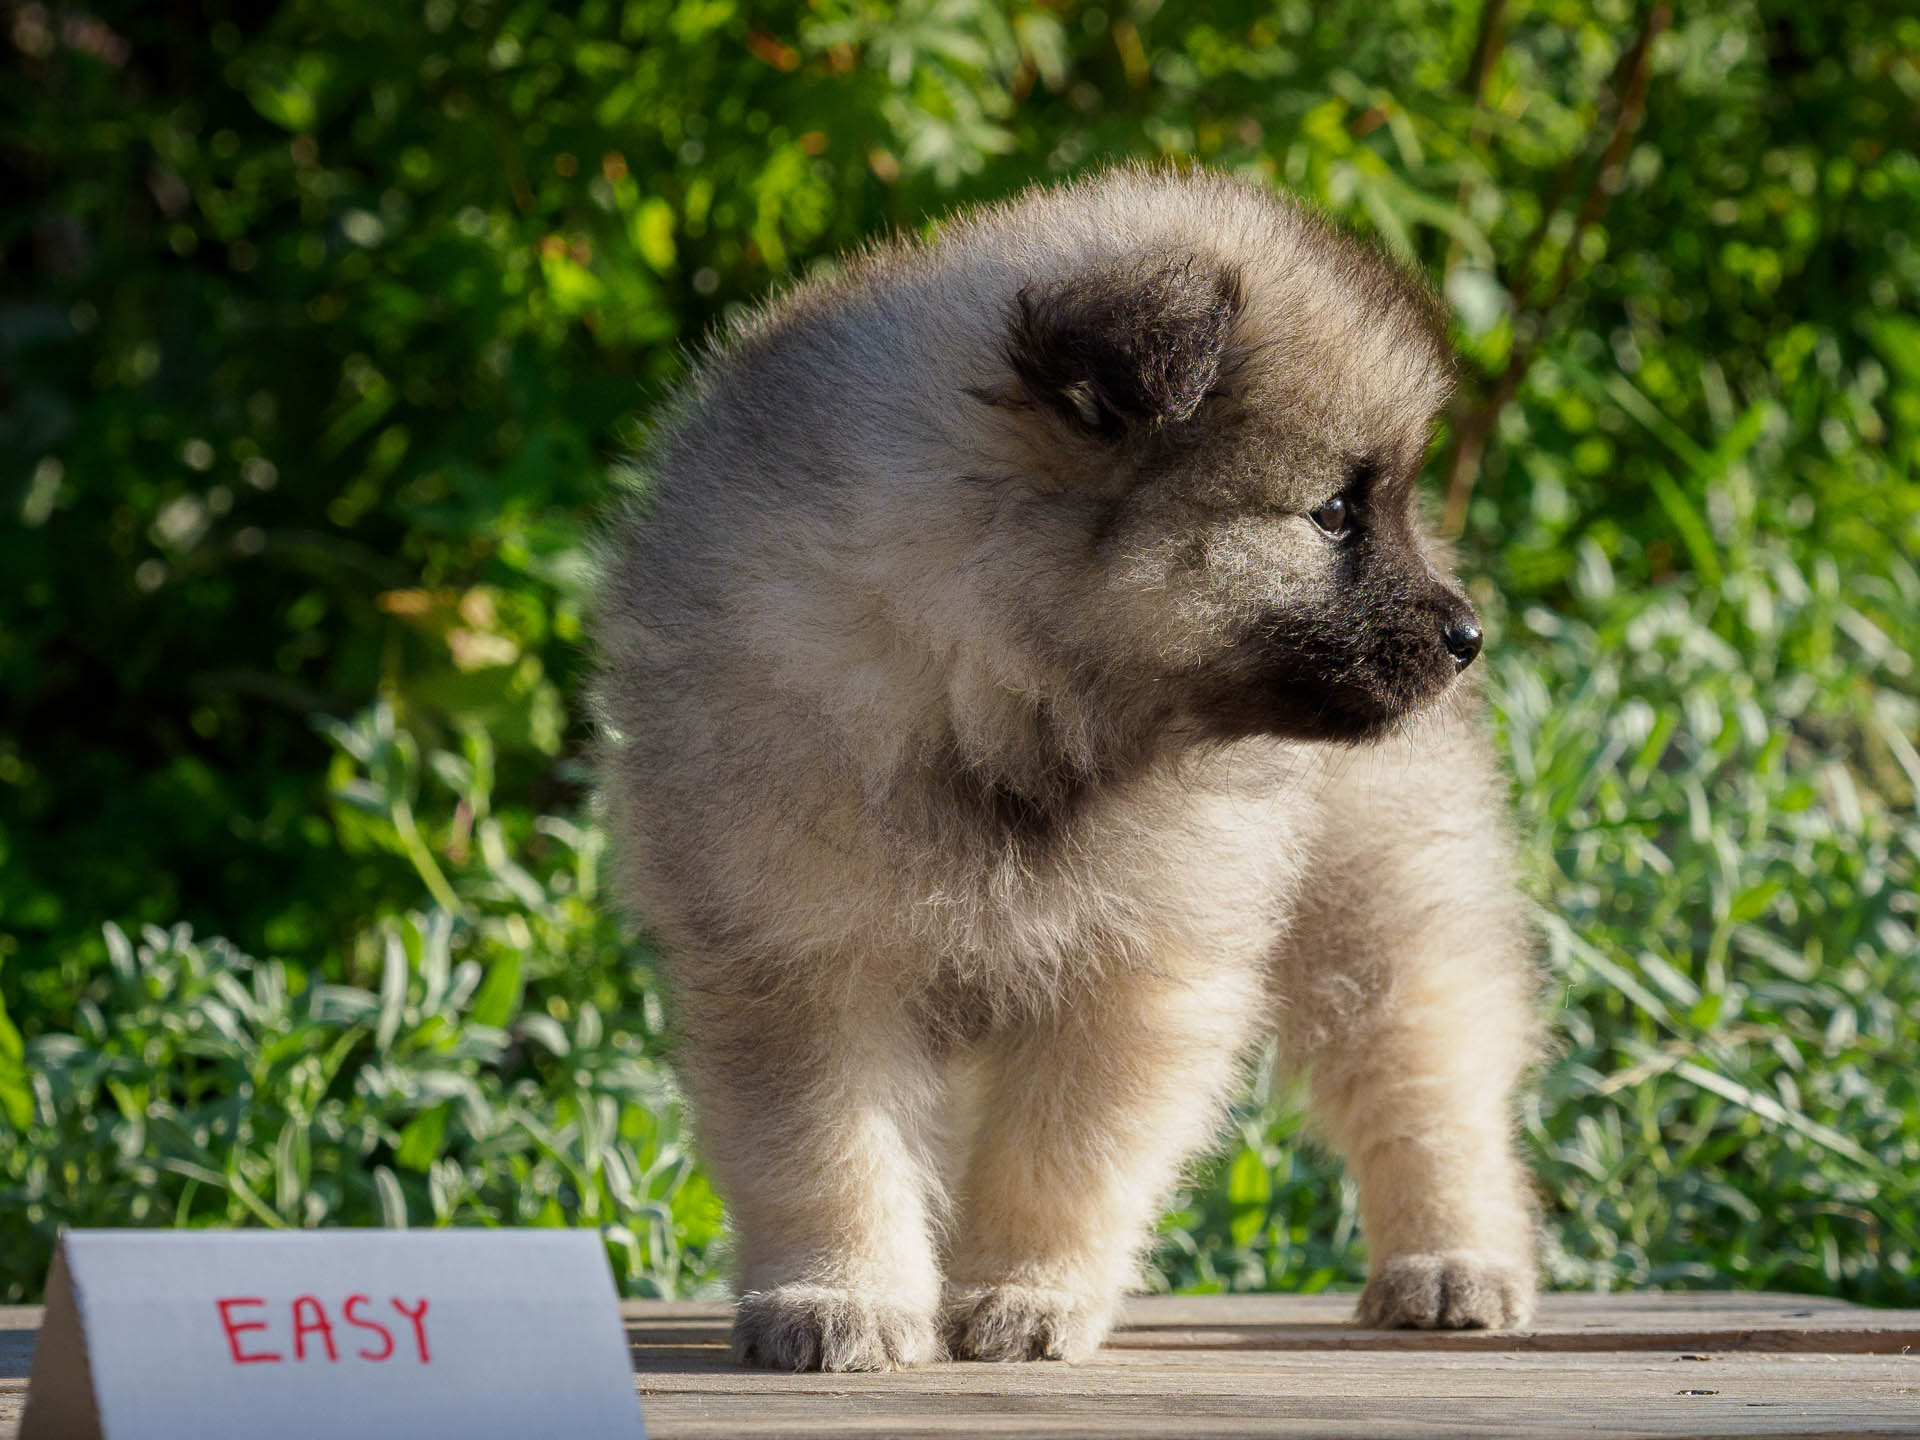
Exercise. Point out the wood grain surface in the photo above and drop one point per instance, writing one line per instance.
(1652, 1365)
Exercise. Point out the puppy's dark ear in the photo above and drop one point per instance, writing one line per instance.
(1125, 348)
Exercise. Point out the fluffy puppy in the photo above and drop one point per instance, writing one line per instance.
(1026, 683)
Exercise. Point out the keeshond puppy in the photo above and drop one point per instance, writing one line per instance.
(1027, 683)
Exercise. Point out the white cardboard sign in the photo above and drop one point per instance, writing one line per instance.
(330, 1334)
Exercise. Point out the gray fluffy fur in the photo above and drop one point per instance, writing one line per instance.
(1000, 747)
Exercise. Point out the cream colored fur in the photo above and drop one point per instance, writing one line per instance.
(948, 1053)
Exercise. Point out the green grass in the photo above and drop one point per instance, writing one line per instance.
(491, 1063)
(1727, 915)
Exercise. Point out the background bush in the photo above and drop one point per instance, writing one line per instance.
(321, 323)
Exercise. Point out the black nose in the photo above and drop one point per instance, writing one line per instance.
(1462, 639)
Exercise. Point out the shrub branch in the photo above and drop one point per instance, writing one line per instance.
(1625, 102)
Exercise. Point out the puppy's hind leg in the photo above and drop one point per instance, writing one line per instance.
(1086, 1118)
(816, 1115)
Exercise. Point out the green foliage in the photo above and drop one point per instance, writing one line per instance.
(320, 324)
(490, 1063)
(1730, 930)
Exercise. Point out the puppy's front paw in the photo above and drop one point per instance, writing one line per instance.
(1023, 1322)
(1450, 1290)
(818, 1327)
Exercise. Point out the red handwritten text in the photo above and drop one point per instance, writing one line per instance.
(386, 1336)
(236, 1328)
(310, 1328)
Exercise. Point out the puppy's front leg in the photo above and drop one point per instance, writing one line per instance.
(1085, 1119)
(814, 1110)
(1412, 1062)
(1408, 998)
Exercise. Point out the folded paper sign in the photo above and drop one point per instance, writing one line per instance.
(153, 1335)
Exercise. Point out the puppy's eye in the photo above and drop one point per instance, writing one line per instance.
(1332, 517)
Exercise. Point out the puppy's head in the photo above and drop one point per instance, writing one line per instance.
(1227, 438)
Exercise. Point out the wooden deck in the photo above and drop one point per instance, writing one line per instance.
(1643, 1365)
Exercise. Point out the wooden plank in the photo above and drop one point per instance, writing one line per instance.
(1719, 1320)
(1289, 1365)
(1566, 1323)
(1654, 1365)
